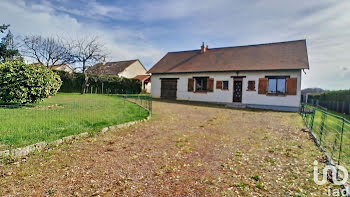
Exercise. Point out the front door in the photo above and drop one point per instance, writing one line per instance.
(237, 91)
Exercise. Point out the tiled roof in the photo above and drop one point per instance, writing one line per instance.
(110, 68)
(272, 56)
(142, 77)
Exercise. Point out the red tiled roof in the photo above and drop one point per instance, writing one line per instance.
(142, 77)
(272, 56)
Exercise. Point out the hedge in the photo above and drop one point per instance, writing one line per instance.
(338, 95)
(72, 82)
(22, 83)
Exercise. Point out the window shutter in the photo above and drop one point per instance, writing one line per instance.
(190, 84)
(262, 85)
(218, 84)
(292, 86)
(210, 84)
(251, 85)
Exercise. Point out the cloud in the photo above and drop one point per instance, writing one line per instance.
(324, 23)
(148, 29)
(92, 10)
(41, 18)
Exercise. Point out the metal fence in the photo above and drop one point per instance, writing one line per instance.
(141, 100)
(330, 132)
(62, 115)
(337, 106)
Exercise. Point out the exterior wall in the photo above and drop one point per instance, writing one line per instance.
(64, 68)
(226, 96)
(133, 70)
(148, 87)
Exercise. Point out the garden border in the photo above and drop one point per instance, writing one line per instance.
(40, 146)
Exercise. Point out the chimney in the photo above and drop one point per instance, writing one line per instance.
(203, 49)
(104, 61)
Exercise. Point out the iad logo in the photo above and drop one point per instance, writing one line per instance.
(334, 174)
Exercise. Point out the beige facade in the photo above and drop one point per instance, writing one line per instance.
(133, 70)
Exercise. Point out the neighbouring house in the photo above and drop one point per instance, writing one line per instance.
(146, 82)
(126, 69)
(62, 67)
(306, 92)
(264, 76)
(59, 67)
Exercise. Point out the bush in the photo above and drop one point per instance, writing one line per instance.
(337, 95)
(22, 83)
(72, 82)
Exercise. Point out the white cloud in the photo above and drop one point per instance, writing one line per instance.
(31, 19)
(324, 23)
(93, 11)
(148, 29)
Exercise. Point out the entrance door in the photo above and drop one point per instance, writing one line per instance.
(168, 88)
(237, 91)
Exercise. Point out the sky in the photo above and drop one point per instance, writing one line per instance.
(147, 30)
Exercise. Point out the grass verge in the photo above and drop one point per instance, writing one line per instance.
(63, 115)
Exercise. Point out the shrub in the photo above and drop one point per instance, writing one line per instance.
(22, 83)
(72, 82)
(336, 95)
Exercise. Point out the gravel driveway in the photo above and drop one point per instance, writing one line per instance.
(184, 150)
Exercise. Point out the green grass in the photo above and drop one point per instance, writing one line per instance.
(327, 127)
(132, 95)
(63, 115)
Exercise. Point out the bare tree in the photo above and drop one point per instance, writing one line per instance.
(3, 28)
(48, 51)
(88, 50)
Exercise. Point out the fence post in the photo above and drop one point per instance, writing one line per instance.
(139, 108)
(102, 88)
(312, 119)
(341, 140)
(322, 126)
(124, 109)
(151, 107)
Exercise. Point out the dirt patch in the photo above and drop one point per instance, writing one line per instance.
(42, 107)
(182, 150)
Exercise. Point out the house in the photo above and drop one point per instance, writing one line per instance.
(62, 67)
(126, 69)
(146, 82)
(306, 92)
(59, 67)
(264, 76)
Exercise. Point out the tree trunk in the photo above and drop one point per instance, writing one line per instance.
(86, 80)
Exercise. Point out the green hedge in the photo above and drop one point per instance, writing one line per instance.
(22, 83)
(72, 82)
(338, 95)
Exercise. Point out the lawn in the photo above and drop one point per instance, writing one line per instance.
(63, 115)
(328, 132)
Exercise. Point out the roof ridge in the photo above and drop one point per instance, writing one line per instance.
(122, 61)
(250, 45)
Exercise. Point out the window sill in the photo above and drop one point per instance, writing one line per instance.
(251, 90)
(200, 92)
(225, 89)
(276, 94)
